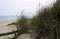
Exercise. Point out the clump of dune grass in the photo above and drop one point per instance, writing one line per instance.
(45, 25)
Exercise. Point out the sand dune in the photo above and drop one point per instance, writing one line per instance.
(4, 29)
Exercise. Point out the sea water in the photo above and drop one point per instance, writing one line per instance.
(7, 17)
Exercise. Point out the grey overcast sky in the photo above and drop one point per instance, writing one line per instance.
(14, 7)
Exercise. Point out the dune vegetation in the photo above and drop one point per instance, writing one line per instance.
(45, 25)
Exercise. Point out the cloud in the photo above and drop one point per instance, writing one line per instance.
(14, 7)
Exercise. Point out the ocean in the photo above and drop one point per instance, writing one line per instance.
(8, 17)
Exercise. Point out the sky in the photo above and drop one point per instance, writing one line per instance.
(29, 7)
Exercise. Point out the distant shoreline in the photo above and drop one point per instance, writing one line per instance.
(8, 17)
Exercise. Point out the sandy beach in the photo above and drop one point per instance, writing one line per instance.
(4, 29)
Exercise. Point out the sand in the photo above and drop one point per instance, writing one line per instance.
(4, 28)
